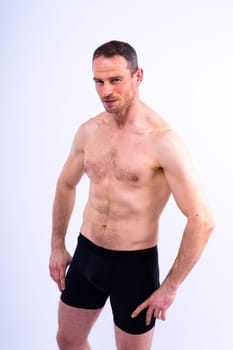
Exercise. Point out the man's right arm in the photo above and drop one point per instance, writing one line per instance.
(62, 208)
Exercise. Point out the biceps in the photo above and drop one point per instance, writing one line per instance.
(187, 192)
(72, 170)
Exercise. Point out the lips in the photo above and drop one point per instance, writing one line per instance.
(109, 103)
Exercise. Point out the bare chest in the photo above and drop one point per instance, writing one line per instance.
(127, 161)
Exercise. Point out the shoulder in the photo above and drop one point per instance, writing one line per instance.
(165, 136)
(158, 125)
(172, 152)
(87, 129)
(92, 124)
(168, 144)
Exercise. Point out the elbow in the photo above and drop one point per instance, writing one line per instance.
(203, 223)
(209, 225)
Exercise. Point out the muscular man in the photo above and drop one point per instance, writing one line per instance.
(134, 161)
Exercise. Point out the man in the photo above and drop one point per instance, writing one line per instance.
(135, 161)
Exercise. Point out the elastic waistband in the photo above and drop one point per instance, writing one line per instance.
(83, 241)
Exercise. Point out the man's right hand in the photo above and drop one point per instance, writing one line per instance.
(59, 260)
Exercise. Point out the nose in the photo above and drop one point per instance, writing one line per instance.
(106, 90)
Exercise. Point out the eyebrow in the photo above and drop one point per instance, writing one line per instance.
(96, 79)
(110, 78)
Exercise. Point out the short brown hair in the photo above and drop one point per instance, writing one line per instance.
(118, 48)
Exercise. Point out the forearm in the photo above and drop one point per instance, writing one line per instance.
(192, 245)
(62, 209)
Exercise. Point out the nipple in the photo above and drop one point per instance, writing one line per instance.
(134, 178)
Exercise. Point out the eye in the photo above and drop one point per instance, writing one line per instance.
(98, 82)
(115, 80)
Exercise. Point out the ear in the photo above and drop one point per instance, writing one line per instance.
(139, 76)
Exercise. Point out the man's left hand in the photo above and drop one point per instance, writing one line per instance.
(157, 304)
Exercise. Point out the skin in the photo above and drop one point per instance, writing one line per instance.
(135, 161)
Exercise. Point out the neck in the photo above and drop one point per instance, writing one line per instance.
(130, 116)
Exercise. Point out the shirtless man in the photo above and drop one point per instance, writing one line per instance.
(135, 161)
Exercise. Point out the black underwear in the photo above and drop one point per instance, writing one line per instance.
(127, 277)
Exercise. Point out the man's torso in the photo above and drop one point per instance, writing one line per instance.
(128, 189)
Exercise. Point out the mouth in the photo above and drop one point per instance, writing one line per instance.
(109, 103)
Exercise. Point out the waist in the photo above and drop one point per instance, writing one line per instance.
(99, 250)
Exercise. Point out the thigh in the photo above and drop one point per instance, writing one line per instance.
(126, 341)
(75, 323)
(135, 279)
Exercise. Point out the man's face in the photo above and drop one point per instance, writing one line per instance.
(115, 84)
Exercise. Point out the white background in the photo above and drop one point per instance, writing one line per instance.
(46, 92)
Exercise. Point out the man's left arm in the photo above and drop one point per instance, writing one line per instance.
(190, 198)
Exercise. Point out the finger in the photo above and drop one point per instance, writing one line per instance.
(163, 315)
(54, 273)
(139, 309)
(149, 315)
(62, 281)
(160, 314)
(157, 313)
(52, 270)
(57, 278)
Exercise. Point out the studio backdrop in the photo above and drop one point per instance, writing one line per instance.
(47, 91)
